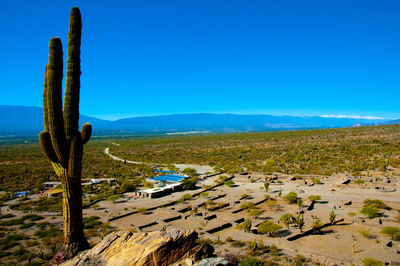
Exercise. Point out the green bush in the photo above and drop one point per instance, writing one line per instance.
(12, 222)
(91, 222)
(113, 198)
(229, 183)
(27, 225)
(286, 219)
(32, 217)
(316, 225)
(316, 181)
(189, 183)
(255, 212)
(245, 226)
(359, 181)
(376, 203)
(51, 232)
(8, 215)
(204, 194)
(371, 212)
(314, 197)
(4, 254)
(291, 197)
(11, 238)
(247, 206)
(142, 210)
(372, 262)
(268, 227)
(365, 233)
(149, 184)
(8, 245)
(393, 232)
(251, 262)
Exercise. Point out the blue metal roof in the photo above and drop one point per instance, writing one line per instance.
(164, 171)
(173, 178)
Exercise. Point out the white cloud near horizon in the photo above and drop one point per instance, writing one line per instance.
(353, 116)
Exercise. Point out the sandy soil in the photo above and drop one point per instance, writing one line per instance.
(332, 247)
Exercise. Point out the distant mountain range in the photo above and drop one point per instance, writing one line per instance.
(29, 120)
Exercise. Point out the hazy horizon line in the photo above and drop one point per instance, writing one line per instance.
(114, 117)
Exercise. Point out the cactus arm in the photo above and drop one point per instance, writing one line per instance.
(72, 86)
(75, 156)
(86, 131)
(54, 100)
(45, 115)
(46, 145)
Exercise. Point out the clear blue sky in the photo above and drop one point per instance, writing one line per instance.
(190, 56)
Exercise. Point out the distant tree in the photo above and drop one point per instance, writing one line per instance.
(113, 198)
(314, 198)
(229, 183)
(268, 227)
(376, 203)
(291, 197)
(372, 262)
(189, 183)
(393, 232)
(316, 181)
(255, 212)
(127, 186)
(190, 172)
(204, 194)
(371, 212)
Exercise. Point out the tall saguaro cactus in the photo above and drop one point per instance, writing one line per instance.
(61, 141)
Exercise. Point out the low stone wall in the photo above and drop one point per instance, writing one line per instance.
(219, 228)
(172, 219)
(147, 225)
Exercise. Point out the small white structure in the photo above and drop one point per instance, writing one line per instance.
(50, 185)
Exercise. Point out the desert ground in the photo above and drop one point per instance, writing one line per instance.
(334, 245)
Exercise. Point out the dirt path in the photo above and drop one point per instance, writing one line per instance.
(201, 169)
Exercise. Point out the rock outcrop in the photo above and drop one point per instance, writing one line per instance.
(151, 248)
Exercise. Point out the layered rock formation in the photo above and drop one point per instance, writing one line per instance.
(151, 248)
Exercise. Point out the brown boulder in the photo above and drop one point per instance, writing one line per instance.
(143, 248)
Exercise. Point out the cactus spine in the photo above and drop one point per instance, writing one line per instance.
(61, 141)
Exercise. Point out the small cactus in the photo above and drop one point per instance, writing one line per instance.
(254, 245)
(332, 217)
(300, 221)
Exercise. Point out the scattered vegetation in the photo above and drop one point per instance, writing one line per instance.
(391, 231)
(314, 197)
(372, 262)
(376, 203)
(366, 233)
(291, 197)
(369, 211)
(286, 219)
(269, 228)
(244, 226)
(142, 210)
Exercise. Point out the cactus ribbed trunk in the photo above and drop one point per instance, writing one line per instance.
(61, 141)
(74, 239)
